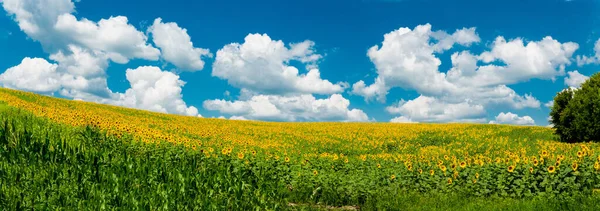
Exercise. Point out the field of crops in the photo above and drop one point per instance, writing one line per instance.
(59, 153)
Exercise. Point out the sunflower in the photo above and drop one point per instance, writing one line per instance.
(443, 168)
(597, 166)
(551, 169)
(315, 172)
(474, 181)
(455, 174)
(544, 153)
(393, 177)
(287, 159)
(531, 170)
(420, 171)
(253, 153)
(431, 172)
(511, 169)
(224, 151)
(477, 175)
(580, 154)
(535, 162)
(446, 157)
(240, 156)
(378, 166)
(574, 166)
(449, 181)
(346, 160)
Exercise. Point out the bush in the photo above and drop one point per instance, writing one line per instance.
(576, 112)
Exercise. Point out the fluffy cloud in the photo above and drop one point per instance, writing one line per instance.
(575, 79)
(293, 108)
(115, 36)
(33, 74)
(176, 46)
(542, 59)
(262, 65)
(155, 90)
(83, 48)
(549, 104)
(594, 59)
(401, 119)
(407, 59)
(429, 109)
(510, 118)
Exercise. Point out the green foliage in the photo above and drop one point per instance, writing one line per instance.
(576, 112)
(50, 166)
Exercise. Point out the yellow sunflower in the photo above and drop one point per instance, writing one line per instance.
(511, 169)
(551, 169)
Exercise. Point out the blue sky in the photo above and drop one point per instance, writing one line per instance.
(81, 50)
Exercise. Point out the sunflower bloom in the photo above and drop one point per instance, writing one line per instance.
(449, 181)
(580, 154)
(463, 164)
(477, 175)
(393, 177)
(431, 172)
(531, 170)
(511, 169)
(315, 172)
(551, 169)
(574, 166)
(240, 156)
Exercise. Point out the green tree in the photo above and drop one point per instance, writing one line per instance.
(576, 112)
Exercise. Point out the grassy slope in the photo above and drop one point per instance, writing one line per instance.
(47, 165)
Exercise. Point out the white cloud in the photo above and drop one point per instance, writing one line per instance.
(549, 104)
(429, 109)
(595, 59)
(82, 49)
(37, 18)
(262, 65)
(115, 36)
(155, 90)
(408, 59)
(401, 119)
(237, 118)
(510, 118)
(575, 79)
(33, 74)
(289, 108)
(542, 59)
(176, 46)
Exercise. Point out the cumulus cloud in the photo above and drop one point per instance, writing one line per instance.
(176, 46)
(549, 104)
(261, 65)
(510, 118)
(594, 59)
(155, 90)
(120, 40)
(401, 119)
(33, 74)
(408, 59)
(574, 79)
(429, 109)
(293, 108)
(542, 59)
(82, 50)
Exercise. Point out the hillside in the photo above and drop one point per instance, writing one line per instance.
(118, 157)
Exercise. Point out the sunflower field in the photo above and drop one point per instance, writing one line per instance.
(64, 154)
